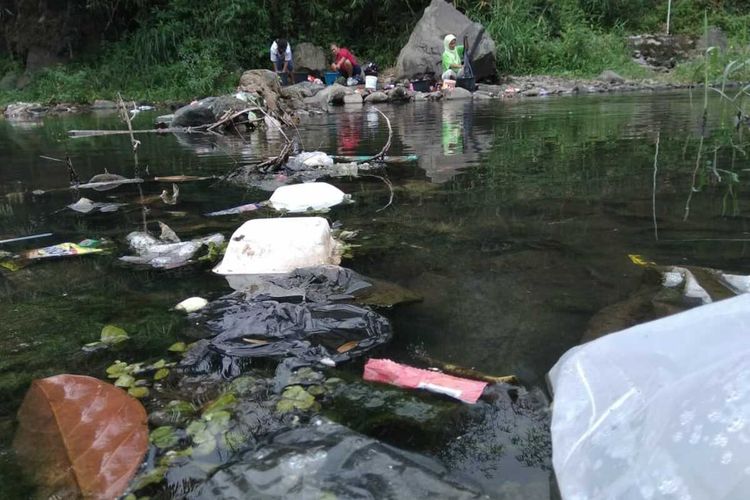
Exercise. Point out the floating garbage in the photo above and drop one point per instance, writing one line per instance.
(24, 238)
(327, 460)
(107, 181)
(657, 410)
(249, 207)
(408, 377)
(308, 160)
(181, 178)
(191, 305)
(60, 250)
(326, 283)
(308, 196)
(86, 206)
(160, 254)
(268, 246)
(242, 328)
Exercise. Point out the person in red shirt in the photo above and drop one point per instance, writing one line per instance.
(344, 62)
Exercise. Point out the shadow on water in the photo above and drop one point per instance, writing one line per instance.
(515, 227)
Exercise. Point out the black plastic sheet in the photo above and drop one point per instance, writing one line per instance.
(312, 332)
(327, 460)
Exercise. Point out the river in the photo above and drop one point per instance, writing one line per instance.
(515, 227)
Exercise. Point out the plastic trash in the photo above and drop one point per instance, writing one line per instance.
(85, 206)
(308, 160)
(327, 460)
(250, 207)
(161, 255)
(242, 328)
(660, 410)
(268, 246)
(191, 305)
(408, 377)
(307, 196)
(88, 246)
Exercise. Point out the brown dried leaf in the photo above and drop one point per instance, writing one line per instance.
(347, 346)
(255, 341)
(80, 436)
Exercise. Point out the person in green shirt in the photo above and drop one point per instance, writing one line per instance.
(452, 59)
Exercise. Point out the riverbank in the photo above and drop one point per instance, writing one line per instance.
(307, 98)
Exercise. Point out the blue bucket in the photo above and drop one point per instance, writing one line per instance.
(331, 77)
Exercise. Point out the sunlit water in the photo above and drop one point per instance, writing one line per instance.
(515, 227)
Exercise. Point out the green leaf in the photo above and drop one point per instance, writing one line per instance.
(295, 397)
(223, 402)
(117, 369)
(125, 380)
(164, 437)
(138, 392)
(177, 347)
(159, 364)
(112, 334)
(152, 477)
(162, 373)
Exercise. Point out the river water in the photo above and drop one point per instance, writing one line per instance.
(515, 227)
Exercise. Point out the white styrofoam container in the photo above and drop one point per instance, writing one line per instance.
(272, 246)
(307, 196)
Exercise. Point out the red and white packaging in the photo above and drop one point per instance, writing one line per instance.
(408, 377)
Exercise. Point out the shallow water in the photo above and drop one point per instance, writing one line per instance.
(515, 226)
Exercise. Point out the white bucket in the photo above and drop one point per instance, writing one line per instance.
(371, 82)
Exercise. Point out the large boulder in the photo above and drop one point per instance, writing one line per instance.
(307, 55)
(205, 111)
(264, 83)
(424, 50)
(331, 95)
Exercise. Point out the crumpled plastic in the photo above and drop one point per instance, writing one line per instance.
(307, 196)
(328, 460)
(660, 410)
(156, 253)
(327, 333)
(308, 160)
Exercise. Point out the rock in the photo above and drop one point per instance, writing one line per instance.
(23, 81)
(38, 58)
(376, 97)
(714, 38)
(435, 96)
(457, 94)
(309, 56)
(532, 92)
(610, 76)
(353, 98)
(301, 90)
(206, 111)
(660, 52)
(24, 110)
(103, 104)
(8, 82)
(399, 94)
(420, 96)
(424, 50)
(482, 95)
(333, 94)
(265, 84)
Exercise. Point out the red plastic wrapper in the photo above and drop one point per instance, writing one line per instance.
(408, 377)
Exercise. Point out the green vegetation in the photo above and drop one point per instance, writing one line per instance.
(182, 49)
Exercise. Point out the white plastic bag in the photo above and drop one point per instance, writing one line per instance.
(271, 246)
(308, 196)
(660, 410)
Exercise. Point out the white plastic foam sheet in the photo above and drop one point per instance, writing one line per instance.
(280, 245)
(657, 411)
(308, 196)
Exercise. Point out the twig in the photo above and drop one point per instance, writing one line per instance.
(695, 175)
(387, 183)
(387, 145)
(230, 117)
(75, 134)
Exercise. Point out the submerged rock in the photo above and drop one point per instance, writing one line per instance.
(609, 76)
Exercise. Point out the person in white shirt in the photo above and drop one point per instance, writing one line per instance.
(281, 57)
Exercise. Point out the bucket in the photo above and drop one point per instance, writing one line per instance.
(371, 82)
(420, 85)
(331, 77)
(466, 83)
